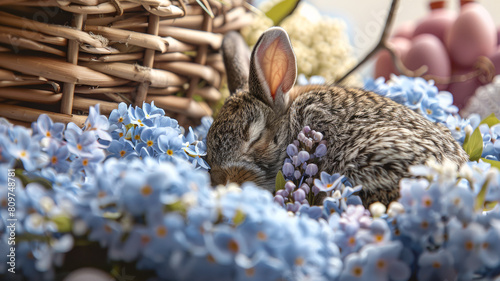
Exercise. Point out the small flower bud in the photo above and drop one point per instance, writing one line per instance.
(295, 161)
(309, 143)
(311, 169)
(297, 174)
(292, 207)
(299, 195)
(292, 150)
(306, 129)
(315, 190)
(377, 209)
(296, 143)
(301, 137)
(318, 136)
(303, 156)
(395, 208)
(305, 187)
(279, 199)
(320, 150)
(288, 170)
(290, 186)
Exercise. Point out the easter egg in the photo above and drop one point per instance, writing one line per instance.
(473, 34)
(463, 91)
(428, 50)
(405, 30)
(384, 64)
(437, 23)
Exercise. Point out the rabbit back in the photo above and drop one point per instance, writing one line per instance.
(372, 140)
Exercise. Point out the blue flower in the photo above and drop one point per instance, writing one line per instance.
(120, 115)
(121, 149)
(328, 182)
(23, 148)
(98, 124)
(138, 117)
(151, 111)
(465, 243)
(80, 143)
(197, 151)
(57, 156)
(171, 145)
(436, 266)
(88, 162)
(46, 128)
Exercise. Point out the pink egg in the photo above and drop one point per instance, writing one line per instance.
(405, 30)
(472, 35)
(463, 91)
(428, 50)
(384, 64)
(437, 23)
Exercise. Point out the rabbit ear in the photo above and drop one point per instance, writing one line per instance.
(273, 69)
(236, 56)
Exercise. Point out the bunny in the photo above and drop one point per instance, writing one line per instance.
(372, 140)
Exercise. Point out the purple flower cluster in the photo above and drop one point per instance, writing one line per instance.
(303, 189)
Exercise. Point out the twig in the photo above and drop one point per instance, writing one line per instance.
(382, 43)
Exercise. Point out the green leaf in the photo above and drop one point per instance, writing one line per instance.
(281, 10)
(481, 197)
(490, 120)
(62, 222)
(493, 163)
(488, 206)
(474, 146)
(239, 217)
(280, 181)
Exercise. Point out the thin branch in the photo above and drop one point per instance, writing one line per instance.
(382, 43)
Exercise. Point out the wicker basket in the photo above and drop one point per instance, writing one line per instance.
(61, 56)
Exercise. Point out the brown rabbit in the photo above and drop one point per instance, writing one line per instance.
(372, 140)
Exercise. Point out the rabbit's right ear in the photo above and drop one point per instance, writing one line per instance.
(236, 55)
(273, 68)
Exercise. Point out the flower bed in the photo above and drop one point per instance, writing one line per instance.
(132, 192)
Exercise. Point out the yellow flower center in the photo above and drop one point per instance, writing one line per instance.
(352, 241)
(250, 272)
(299, 261)
(233, 246)
(146, 190)
(48, 134)
(85, 162)
(53, 160)
(357, 271)
(261, 235)
(120, 134)
(137, 137)
(436, 264)
(150, 143)
(79, 147)
(428, 111)
(145, 239)
(161, 231)
(170, 152)
(120, 119)
(23, 154)
(122, 153)
(469, 245)
(381, 264)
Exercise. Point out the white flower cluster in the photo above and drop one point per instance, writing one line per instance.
(486, 100)
(320, 43)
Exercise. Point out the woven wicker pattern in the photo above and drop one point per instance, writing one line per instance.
(60, 57)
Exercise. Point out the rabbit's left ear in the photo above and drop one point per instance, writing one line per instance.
(273, 68)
